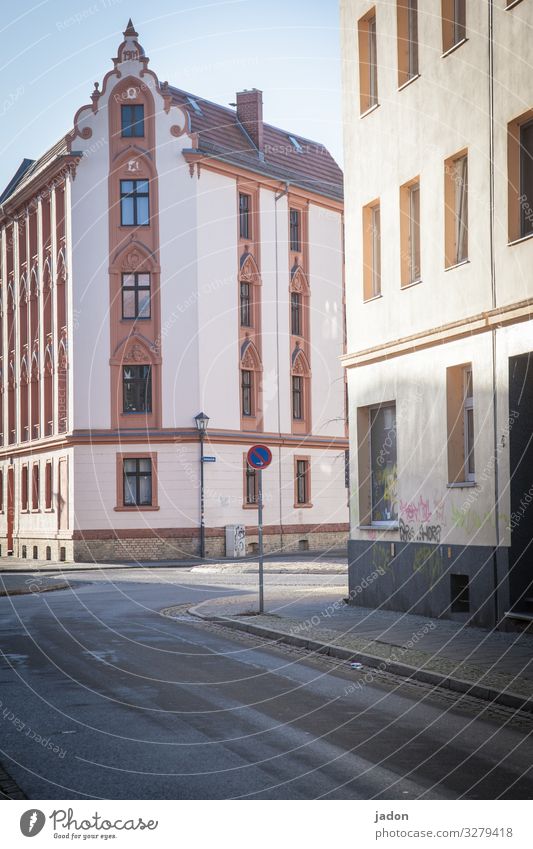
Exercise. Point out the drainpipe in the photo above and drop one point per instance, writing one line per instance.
(278, 197)
(494, 304)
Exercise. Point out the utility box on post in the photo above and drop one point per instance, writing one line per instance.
(235, 541)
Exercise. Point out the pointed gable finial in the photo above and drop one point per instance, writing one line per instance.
(130, 29)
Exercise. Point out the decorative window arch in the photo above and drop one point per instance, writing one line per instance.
(47, 273)
(300, 391)
(34, 281)
(23, 288)
(61, 265)
(11, 295)
(249, 280)
(135, 267)
(24, 371)
(135, 380)
(35, 412)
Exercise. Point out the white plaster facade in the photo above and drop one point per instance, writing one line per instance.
(194, 340)
(479, 312)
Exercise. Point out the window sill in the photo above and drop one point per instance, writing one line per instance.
(137, 509)
(457, 265)
(519, 240)
(35, 509)
(250, 506)
(49, 510)
(369, 110)
(372, 298)
(136, 318)
(461, 484)
(24, 510)
(302, 506)
(386, 526)
(453, 48)
(410, 285)
(408, 82)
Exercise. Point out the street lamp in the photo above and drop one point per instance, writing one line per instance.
(202, 421)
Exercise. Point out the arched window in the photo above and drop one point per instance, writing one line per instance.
(249, 280)
(251, 369)
(48, 388)
(34, 395)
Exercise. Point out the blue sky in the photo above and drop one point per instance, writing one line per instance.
(54, 50)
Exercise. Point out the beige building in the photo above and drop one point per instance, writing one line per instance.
(438, 112)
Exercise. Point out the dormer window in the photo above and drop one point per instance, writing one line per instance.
(132, 120)
(296, 144)
(192, 102)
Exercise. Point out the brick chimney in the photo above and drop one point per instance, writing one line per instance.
(250, 114)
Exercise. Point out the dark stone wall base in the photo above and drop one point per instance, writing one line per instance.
(415, 577)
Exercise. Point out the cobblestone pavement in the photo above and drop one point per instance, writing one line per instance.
(501, 661)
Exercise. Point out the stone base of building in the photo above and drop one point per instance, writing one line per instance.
(37, 548)
(465, 583)
(150, 546)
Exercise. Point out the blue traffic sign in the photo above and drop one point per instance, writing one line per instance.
(209, 459)
(259, 457)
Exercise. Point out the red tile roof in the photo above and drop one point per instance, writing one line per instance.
(222, 135)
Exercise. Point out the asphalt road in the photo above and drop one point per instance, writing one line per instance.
(103, 697)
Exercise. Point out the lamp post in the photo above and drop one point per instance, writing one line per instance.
(201, 425)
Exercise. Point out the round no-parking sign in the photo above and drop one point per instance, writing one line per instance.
(259, 457)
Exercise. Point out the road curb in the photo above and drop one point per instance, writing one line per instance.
(36, 591)
(458, 685)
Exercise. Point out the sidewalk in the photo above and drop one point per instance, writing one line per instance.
(315, 562)
(493, 665)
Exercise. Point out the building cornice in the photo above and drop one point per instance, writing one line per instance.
(37, 185)
(223, 164)
(144, 436)
(470, 326)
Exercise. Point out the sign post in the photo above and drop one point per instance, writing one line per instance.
(260, 457)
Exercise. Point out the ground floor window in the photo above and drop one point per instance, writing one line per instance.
(137, 482)
(251, 485)
(383, 466)
(302, 481)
